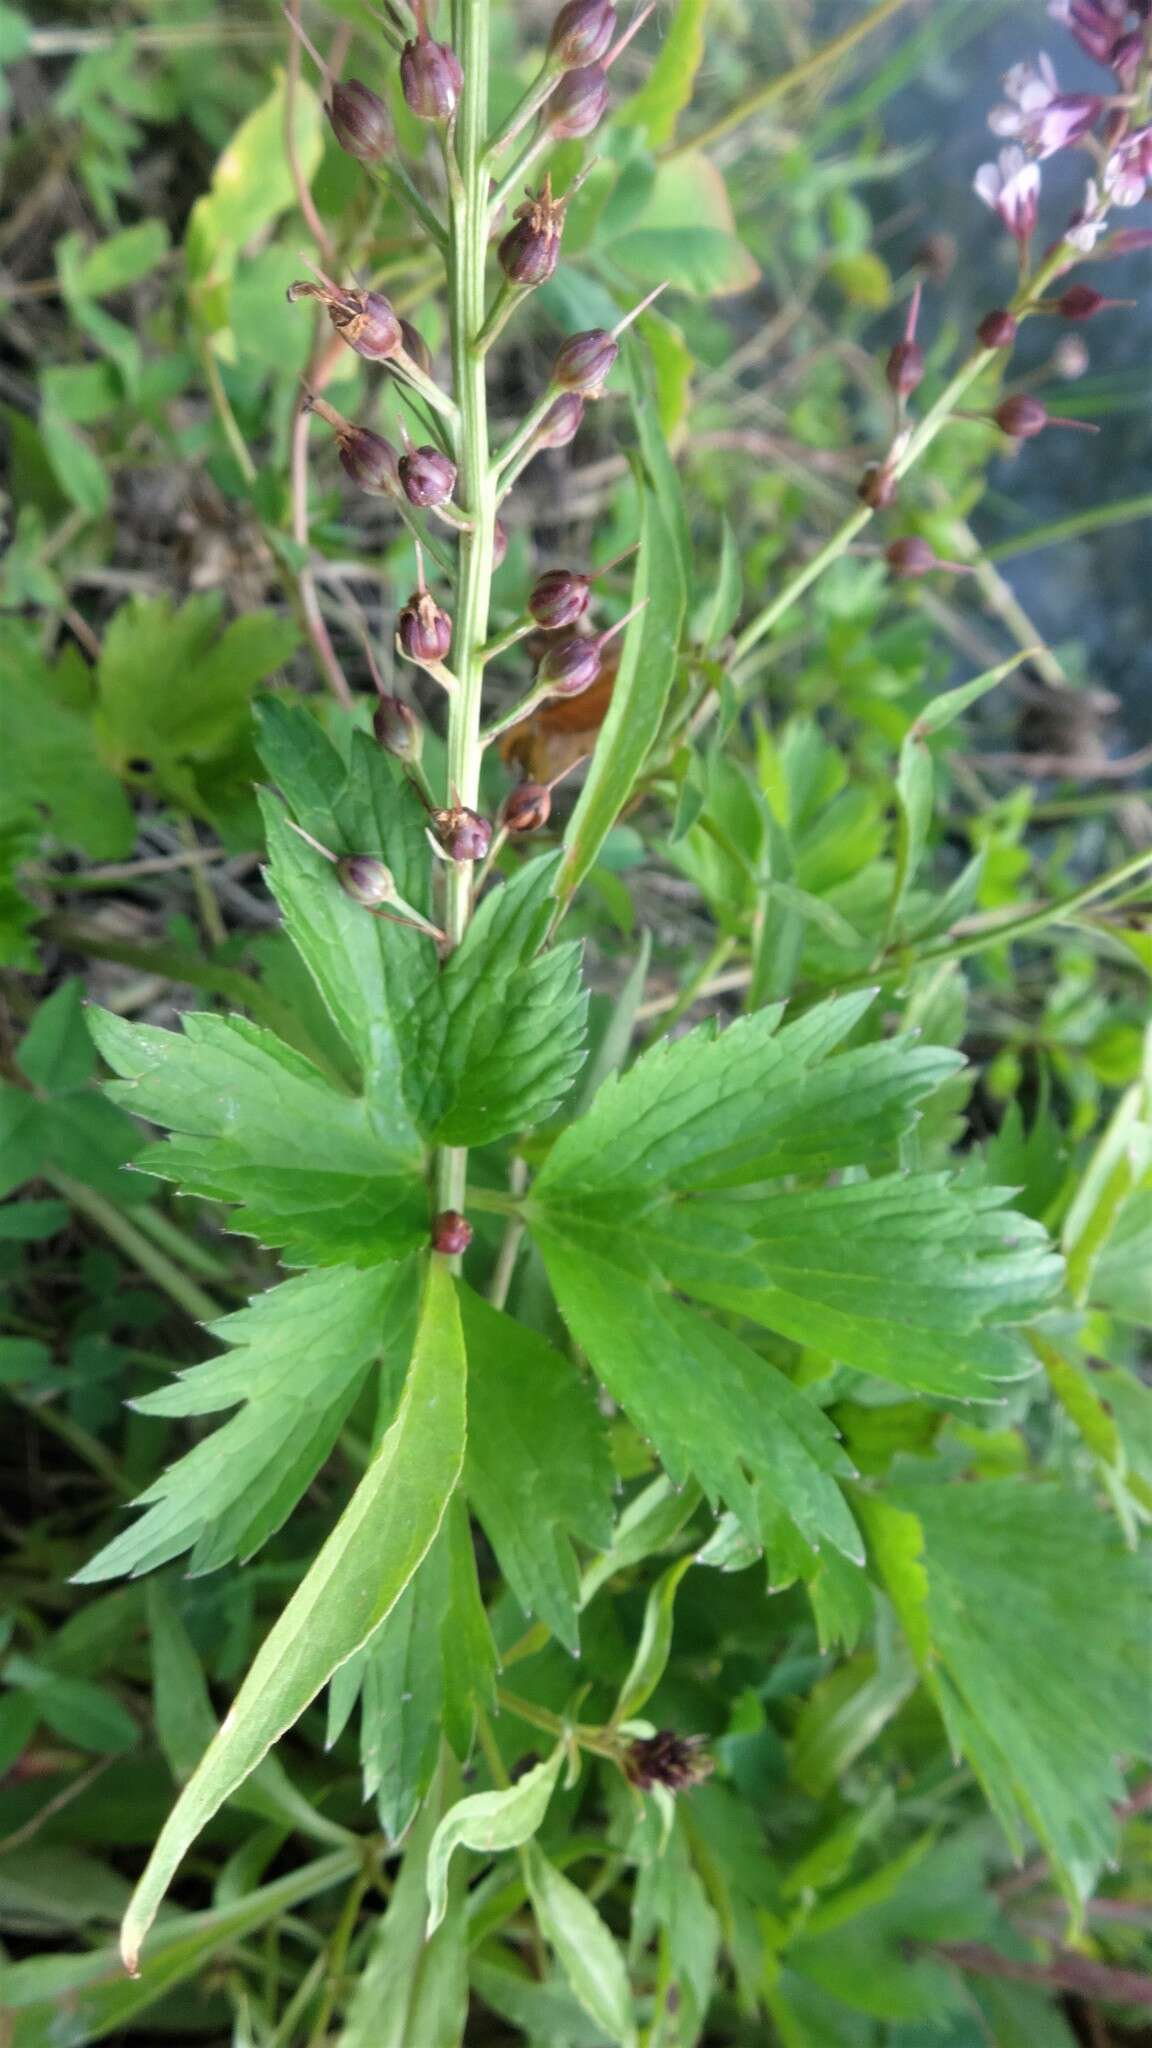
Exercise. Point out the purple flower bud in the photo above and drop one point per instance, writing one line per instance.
(370, 461)
(1079, 302)
(530, 250)
(366, 880)
(424, 630)
(365, 320)
(559, 597)
(577, 105)
(904, 369)
(586, 361)
(570, 667)
(998, 329)
(361, 121)
(1021, 416)
(1126, 59)
(527, 808)
(1129, 242)
(909, 556)
(416, 347)
(451, 1233)
(561, 422)
(430, 76)
(581, 33)
(463, 834)
(397, 728)
(676, 1761)
(428, 477)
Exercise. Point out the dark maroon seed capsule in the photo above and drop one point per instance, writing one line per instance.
(571, 667)
(361, 121)
(529, 254)
(451, 1233)
(428, 477)
(582, 32)
(561, 422)
(877, 487)
(998, 329)
(366, 880)
(397, 728)
(430, 78)
(1079, 302)
(463, 834)
(585, 362)
(905, 368)
(423, 629)
(370, 461)
(365, 320)
(528, 808)
(577, 105)
(909, 556)
(559, 597)
(1021, 416)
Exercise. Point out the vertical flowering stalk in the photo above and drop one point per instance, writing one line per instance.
(476, 485)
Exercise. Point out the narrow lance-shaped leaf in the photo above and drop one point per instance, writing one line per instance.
(588, 1955)
(355, 1581)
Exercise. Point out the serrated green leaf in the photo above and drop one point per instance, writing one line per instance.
(537, 1471)
(175, 685)
(913, 1277)
(489, 1822)
(752, 1103)
(299, 1355)
(355, 1581)
(711, 1407)
(313, 1171)
(499, 1034)
(591, 1961)
(1029, 1621)
(51, 763)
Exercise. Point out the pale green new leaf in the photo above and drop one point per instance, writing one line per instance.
(489, 1822)
(591, 1961)
(1029, 1620)
(538, 1471)
(300, 1354)
(654, 1647)
(355, 1581)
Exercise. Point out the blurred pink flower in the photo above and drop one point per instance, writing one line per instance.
(1011, 187)
(1039, 114)
(1128, 171)
(1096, 24)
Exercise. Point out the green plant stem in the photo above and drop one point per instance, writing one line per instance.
(148, 1257)
(593, 1739)
(476, 491)
(1096, 519)
(800, 75)
(526, 431)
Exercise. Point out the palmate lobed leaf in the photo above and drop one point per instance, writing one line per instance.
(300, 1354)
